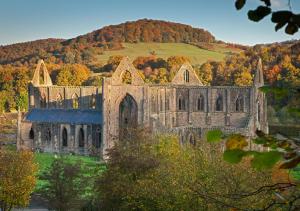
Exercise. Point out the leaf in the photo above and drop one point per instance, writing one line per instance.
(291, 28)
(214, 136)
(234, 156)
(290, 164)
(281, 16)
(267, 2)
(265, 160)
(259, 13)
(239, 4)
(279, 25)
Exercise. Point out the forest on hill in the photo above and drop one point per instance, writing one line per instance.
(85, 48)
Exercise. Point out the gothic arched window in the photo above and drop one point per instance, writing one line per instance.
(59, 101)
(186, 76)
(219, 103)
(64, 137)
(239, 104)
(200, 103)
(81, 138)
(75, 101)
(181, 104)
(31, 134)
(43, 101)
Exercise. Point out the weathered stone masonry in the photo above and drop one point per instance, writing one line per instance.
(86, 120)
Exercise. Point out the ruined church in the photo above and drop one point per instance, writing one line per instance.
(88, 119)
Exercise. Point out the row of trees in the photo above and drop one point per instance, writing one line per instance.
(147, 173)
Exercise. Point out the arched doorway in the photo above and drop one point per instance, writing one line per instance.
(128, 116)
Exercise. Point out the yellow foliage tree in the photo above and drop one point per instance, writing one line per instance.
(17, 178)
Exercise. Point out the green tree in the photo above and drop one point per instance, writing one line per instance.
(65, 184)
(157, 173)
(17, 178)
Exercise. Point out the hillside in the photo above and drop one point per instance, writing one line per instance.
(165, 50)
(88, 48)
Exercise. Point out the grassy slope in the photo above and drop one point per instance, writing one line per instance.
(165, 50)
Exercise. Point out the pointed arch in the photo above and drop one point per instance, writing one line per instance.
(181, 103)
(43, 100)
(186, 76)
(81, 138)
(45, 79)
(219, 103)
(75, 101)
(31, 133)
(239, 104)
(128, 115)
(200, 103)
(64, 137)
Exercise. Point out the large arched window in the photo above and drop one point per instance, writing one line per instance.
(239, 104)
(219, 103)
(186, 76)
(81, 138)
(31, 134)
(75, 101)
(43, 101)
(64, 137)
(181, 104)
(59, 101)
(200, 103)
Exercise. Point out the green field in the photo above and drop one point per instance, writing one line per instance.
(92, 165)
(165, 50)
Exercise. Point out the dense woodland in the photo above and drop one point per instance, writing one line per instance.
(83, 49)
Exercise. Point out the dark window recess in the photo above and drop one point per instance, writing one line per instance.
(64, 137)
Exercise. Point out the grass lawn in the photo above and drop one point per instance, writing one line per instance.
(93, 165)
(165, 50)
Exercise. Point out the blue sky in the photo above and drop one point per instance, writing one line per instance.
(25, 20)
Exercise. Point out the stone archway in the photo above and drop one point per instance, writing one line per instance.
(128, 116)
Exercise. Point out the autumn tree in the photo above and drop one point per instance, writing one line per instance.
(205, 73)
(157, 173)
(72, 75)
(17, 178)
